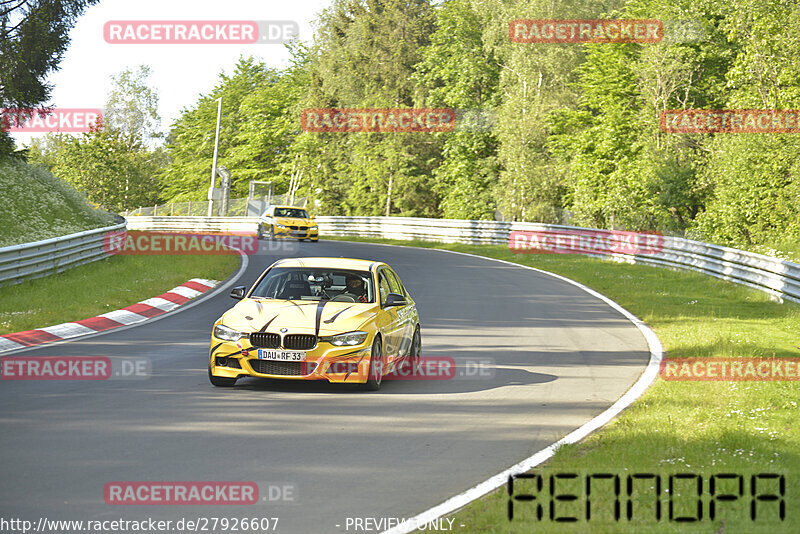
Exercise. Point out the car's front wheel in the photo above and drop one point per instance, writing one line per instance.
(220, 381)
(415, 352)
(375, 375)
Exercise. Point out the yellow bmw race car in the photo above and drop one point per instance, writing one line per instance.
(334, 319)
(287, 222)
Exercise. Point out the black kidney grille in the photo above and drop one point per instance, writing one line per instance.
(265, 340)
(300, 341)
(270, 367)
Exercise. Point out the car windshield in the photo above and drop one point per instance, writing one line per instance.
(307, 283)
(291, 212)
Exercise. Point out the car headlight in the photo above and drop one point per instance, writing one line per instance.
(313, 227)
(350, 339)
(227, 334)
(279, 225)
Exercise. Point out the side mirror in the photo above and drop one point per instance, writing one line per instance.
(394, 299)
(238, 292)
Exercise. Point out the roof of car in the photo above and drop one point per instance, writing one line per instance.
(289, 207)
(339, 263)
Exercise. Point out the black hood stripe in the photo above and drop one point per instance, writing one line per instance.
(320, 307)
(264, 328)
(335, 315)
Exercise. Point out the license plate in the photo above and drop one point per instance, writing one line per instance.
(282, 355)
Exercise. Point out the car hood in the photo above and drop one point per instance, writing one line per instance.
(298, 316)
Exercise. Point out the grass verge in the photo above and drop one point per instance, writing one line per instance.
(102, 286)
(692, 428)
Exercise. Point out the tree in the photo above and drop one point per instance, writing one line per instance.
(132, 107)
(190, 142)
(111, 164)
(364, 55)
(103, 165)
(34, 34)
(460, 70)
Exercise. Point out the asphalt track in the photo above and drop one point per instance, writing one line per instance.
(559, 357)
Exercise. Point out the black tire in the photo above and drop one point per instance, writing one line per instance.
(375, 376)
(220, 381)
(259, 233)
(415, 352)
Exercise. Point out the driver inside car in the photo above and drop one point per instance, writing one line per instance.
(355, 288)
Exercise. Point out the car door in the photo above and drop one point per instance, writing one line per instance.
(391, 320)
(405, 331)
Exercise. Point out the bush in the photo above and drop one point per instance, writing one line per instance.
(36, 205)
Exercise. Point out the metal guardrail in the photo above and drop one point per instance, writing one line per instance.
(49, 256)
(194, 224)
(774, 276)
(777, 277)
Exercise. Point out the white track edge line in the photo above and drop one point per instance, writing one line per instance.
(633, 393)
(189, 304)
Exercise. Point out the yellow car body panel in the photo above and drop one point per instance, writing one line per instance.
(396, 326)
(274, 224)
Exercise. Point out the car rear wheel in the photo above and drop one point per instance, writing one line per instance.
(375, 376)
(220, 381)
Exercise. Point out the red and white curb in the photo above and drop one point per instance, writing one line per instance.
(135, 313)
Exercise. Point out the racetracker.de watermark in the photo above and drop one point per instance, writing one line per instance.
(180, 493)
(564, 241)
(38, 120)
(426, 368)
(730, 369)
(730, 121)
(199, 493)
(135, 242)
(200, 31)
(585, 31)
(73, 368)
(378, 120)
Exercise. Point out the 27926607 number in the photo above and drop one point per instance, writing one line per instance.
(237, 524)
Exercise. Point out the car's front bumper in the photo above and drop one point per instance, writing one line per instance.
(292, 233)
(324, 362)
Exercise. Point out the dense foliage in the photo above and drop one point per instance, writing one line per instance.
(34, 34)
(571, 135)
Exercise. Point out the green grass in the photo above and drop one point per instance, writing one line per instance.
(102, 286)
(675, 427)
(36, 205)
